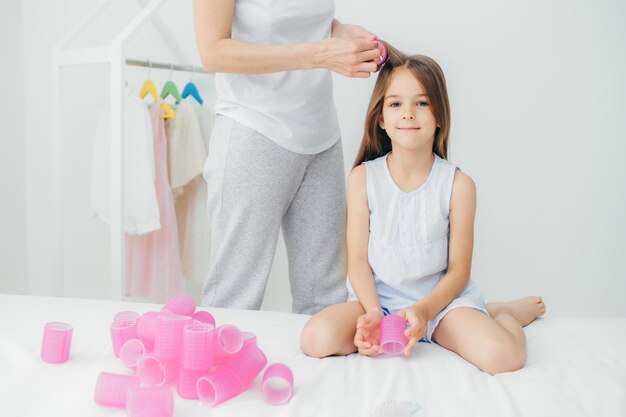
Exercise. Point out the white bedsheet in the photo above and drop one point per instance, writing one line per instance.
(576, 367)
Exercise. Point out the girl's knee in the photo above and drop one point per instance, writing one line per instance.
(502, 355)
(320, 338)
(307, 338)
(312, 340)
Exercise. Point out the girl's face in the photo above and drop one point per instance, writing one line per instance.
(406, 115)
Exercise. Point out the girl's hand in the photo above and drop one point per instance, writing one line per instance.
(417, 316)
(348, 31)
(350, 57)
(367, 337)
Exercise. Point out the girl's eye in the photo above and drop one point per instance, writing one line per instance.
(394, 104)
(422, 103)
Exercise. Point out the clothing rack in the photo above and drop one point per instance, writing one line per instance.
(113, 54)
(170, 66)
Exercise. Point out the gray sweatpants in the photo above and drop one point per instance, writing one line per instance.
(254, 187)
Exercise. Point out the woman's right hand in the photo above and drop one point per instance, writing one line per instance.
(350, 57)
(367, 337)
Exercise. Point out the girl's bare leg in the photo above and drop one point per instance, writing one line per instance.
(525, 310)
(494, 344)
(331, 331)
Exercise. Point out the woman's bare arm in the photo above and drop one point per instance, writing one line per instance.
(220, 53)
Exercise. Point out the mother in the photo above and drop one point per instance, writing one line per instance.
(275, 155)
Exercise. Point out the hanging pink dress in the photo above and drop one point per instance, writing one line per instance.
(153, 270)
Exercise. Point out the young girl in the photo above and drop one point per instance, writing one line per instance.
(410, 234)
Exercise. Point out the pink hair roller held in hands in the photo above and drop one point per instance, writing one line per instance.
(392, 338)
(384, 55)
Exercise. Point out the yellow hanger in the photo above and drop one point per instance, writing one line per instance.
(169, 112)
(148, 87)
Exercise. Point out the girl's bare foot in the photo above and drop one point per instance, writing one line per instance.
(524, 310)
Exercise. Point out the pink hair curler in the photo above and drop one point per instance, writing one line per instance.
(181, 304)
(247, 364)
(384, 55)
(232, 378)
(126, 316)
(56, 342)
(111, 389)
(218, 386)
(224, 342)
(147, 327)
(277, 384)
(186, 382)
(248, 338)
(121, 331)
(168, 341)
(392, 338)
(204, 317)
(150, 402)
(154, 371)
(196, 349)
(131, 352)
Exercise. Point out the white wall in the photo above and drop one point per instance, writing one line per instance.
(538, 98)
(13, 269)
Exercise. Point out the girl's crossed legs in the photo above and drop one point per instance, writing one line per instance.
(494, 343)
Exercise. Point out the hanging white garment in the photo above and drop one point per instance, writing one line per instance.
(185, 146)
(141, 209)
(188, 150)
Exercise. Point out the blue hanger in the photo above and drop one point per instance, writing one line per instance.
(191, 89)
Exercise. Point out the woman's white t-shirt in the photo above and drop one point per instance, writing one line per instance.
(294, 109)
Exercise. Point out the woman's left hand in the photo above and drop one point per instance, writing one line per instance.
(347, 31)
(417, 317)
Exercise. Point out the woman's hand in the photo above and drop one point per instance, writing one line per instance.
(367, 337)
(417, 316)
(349, 57)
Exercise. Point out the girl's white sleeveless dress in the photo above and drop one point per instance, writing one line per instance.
(408, 240)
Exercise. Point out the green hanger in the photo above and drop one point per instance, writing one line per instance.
(170, 88)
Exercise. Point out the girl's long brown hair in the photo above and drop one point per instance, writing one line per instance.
(376, 142)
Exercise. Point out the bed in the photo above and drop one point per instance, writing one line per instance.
(575, 367)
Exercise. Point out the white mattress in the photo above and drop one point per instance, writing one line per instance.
(576, 367)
